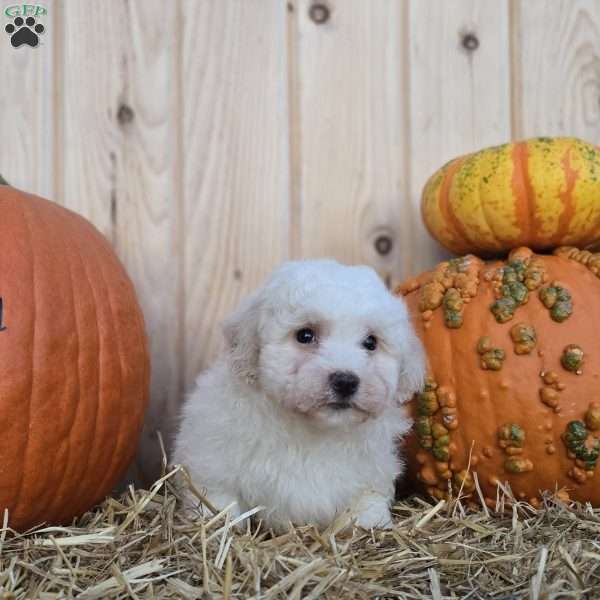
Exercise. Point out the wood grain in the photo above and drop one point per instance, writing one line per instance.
(459, 97)
(350, 157)
(146, 207)
(235, 145)
(91, 75)
(556, 66)
(27, 108)
(119, 135)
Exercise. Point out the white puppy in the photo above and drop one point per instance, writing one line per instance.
(302, 413)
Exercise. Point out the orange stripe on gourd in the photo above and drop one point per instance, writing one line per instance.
(459, 242)
(567, 198)
(523, 194)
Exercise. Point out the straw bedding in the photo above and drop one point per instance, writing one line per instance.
(144, 546)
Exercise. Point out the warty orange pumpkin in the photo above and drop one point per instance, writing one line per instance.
(541, 193)
(514, 369)
(73, 363)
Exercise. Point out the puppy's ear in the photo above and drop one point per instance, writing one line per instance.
(413, 366)
(241, 335)
(413, 361)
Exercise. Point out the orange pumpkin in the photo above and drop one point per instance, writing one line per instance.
(514, 368)
(73, 363)
(541, 193)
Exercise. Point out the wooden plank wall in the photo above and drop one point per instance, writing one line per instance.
(211, 139)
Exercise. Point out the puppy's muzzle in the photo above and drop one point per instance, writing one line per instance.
(344, 385)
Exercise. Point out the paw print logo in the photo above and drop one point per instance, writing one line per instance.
(24, 31)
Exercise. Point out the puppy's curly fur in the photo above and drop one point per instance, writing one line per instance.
(302, 413)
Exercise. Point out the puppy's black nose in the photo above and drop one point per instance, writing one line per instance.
(344, 383)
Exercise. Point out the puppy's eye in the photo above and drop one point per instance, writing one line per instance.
(370, 343)
(305, 335)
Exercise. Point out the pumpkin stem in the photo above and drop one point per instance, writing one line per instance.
(3, 181)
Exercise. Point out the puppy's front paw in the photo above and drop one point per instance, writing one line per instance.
(374, 512)
(375, 518)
